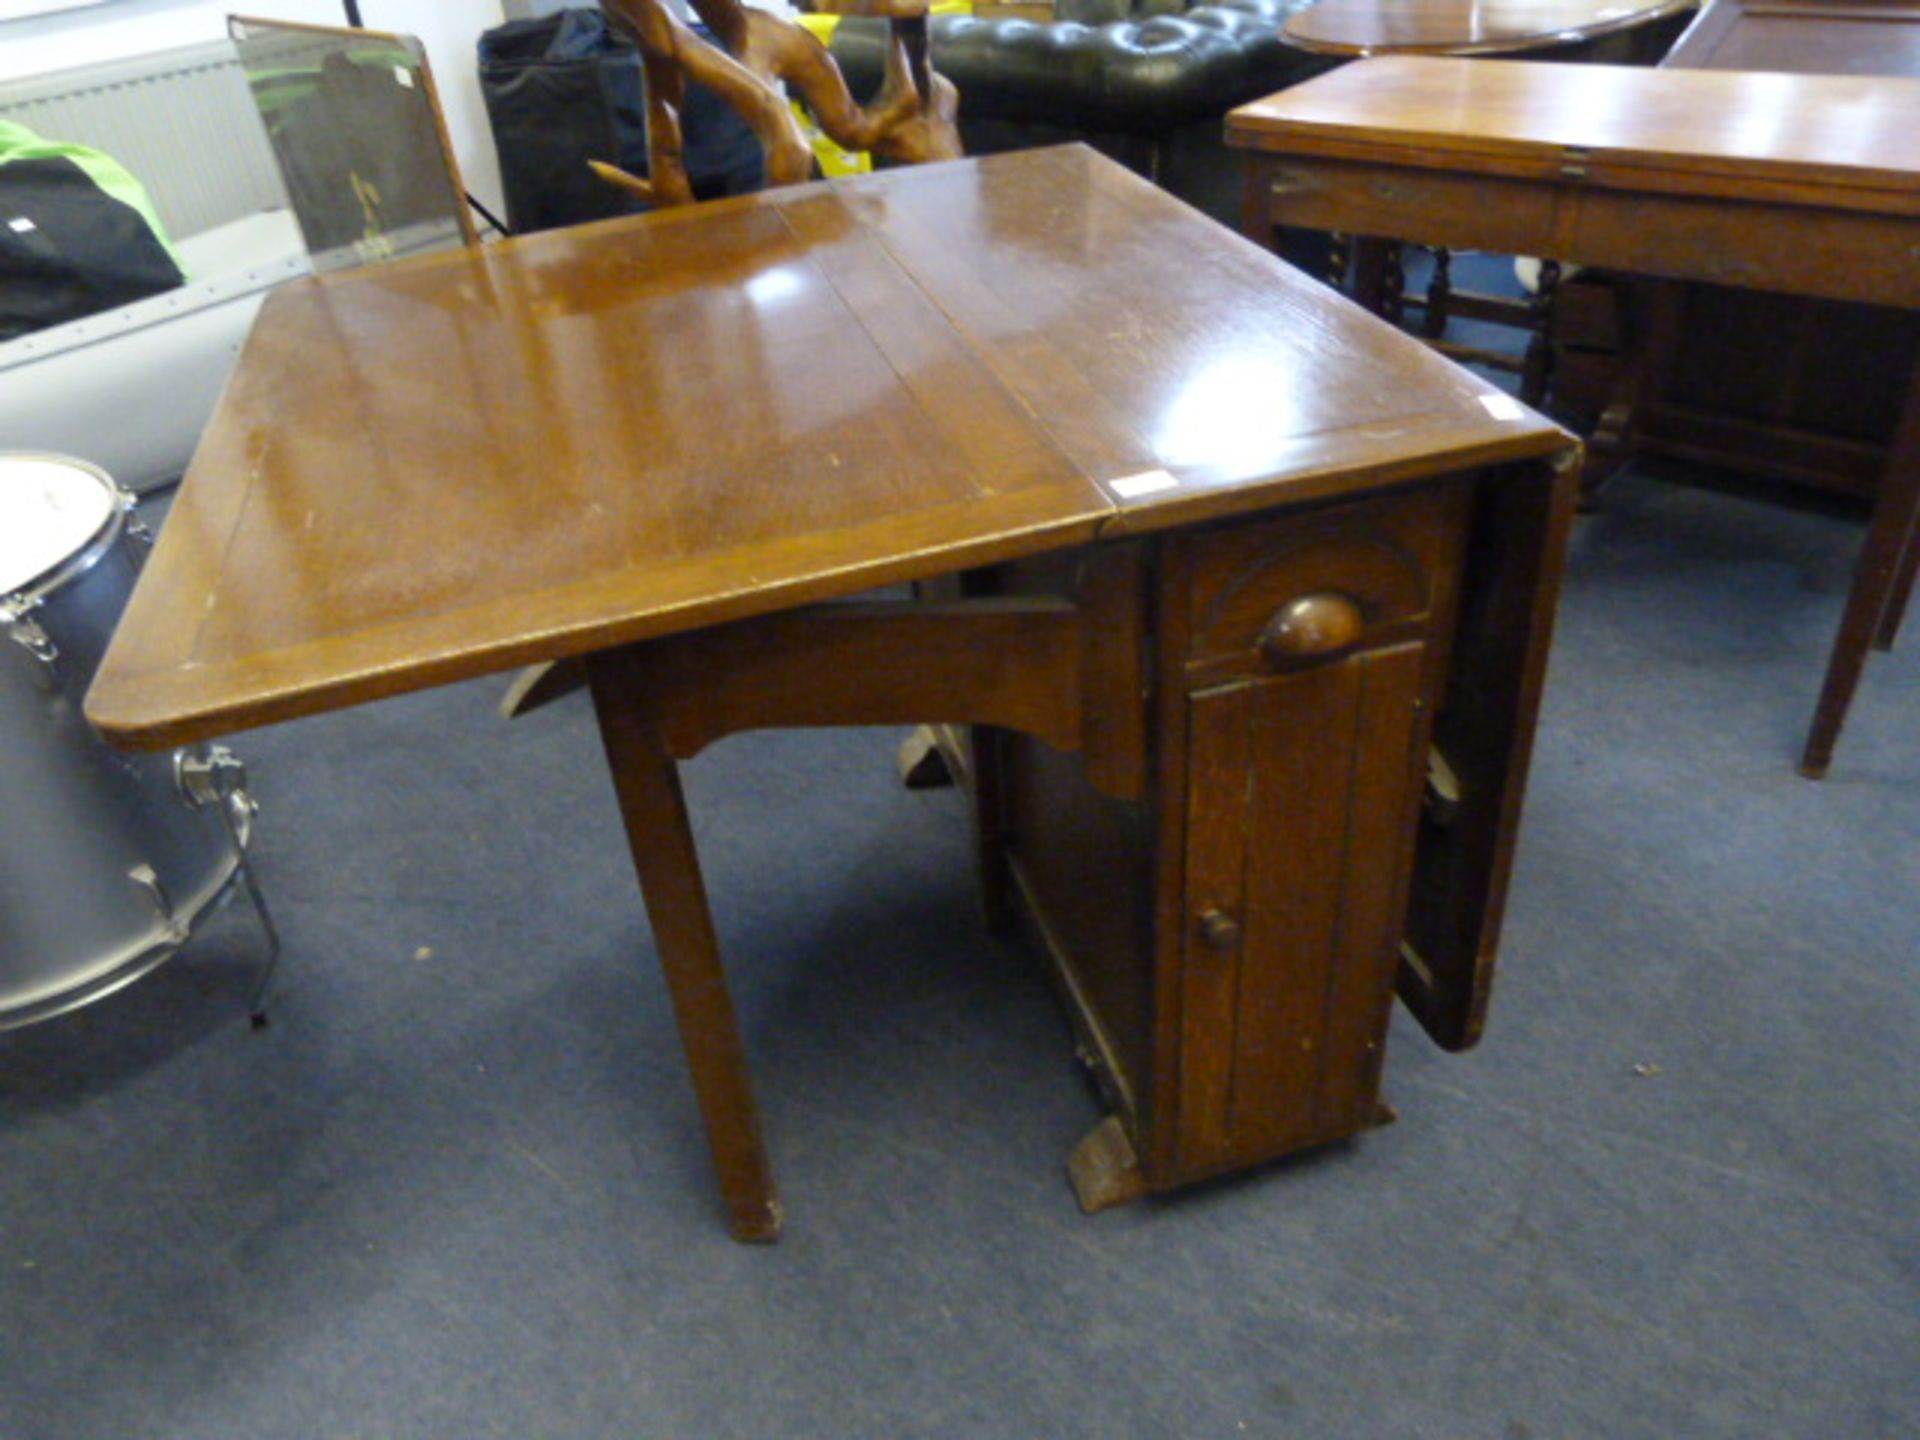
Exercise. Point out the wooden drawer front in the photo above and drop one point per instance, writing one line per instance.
(1712, 239)
(1431, 207)
(1379, 558)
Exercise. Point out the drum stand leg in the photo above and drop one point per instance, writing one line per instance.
(219, 779)
(257, 997)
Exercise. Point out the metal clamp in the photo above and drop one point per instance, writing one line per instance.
(210, 776)
(16, 613)
(133, 526)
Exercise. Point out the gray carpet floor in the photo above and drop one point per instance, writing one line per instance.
(458, 1188)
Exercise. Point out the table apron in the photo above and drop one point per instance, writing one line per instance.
(1795, 249)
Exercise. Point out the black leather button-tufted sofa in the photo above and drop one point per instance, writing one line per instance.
(1148, 82)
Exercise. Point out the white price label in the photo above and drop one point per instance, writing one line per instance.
(1130, 487)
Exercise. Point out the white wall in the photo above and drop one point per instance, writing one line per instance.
(448, 28)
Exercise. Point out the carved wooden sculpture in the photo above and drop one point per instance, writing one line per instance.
(763, 51)
(912, 118)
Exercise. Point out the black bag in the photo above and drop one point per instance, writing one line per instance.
(69, 249)
(567, 88)
(562, 90)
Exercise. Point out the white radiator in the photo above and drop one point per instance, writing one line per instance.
(131, 389)
(180, 120)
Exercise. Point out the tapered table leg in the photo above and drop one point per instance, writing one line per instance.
(647, 781)
(1902, 595)
(1880, 585)
(1372, 258)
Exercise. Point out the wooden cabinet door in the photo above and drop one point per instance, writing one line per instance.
(1301, 792)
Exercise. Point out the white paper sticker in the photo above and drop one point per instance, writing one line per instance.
(1503, 407)
(403, 76)
(1130, 487)
(20, 225)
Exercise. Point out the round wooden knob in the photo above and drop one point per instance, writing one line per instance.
(1219, 929)
(1311, 628)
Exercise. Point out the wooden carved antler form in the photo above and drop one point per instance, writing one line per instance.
(912, 118)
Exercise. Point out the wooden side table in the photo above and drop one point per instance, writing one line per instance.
(1233, 569)
(1804, 37)
(1801, 390)
(1801, 185)
(1612, 32)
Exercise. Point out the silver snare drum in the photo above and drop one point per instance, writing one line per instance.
(107, 860)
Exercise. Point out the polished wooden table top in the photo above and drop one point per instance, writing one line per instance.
(439, 468)
(1858, 139)
(1465, 27)
(1825, 37)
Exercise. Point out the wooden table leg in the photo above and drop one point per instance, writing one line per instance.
(1433, 324)
(647, 780)
(1372, 257)
(1537, 364)
(1880, 585)
(1902, 593)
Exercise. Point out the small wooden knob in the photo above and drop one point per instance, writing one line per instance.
(1311, 628)
(1219, 929)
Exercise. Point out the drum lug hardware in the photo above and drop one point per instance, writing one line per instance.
(26, 631)
(171, 925)
(136, 527)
